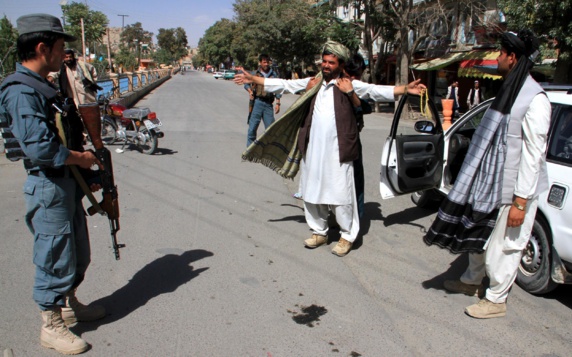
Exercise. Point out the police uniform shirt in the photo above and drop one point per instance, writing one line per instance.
(28, 113)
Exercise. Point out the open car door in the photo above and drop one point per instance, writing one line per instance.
(412, 157)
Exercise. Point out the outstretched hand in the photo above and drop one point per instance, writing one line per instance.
(416, 87)
(242, 76)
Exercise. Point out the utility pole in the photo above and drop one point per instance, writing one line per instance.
(83, 39)
(123, 21)
(109, 53)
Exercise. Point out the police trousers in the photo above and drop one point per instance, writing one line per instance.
(56, 218)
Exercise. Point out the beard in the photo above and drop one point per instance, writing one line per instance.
(70, 63)
(329, 75)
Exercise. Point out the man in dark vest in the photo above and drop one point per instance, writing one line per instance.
(328, 141)
(453, 93)
(475, 96)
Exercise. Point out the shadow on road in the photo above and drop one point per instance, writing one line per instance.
(562, 294)
(407, 216)
(163, 151)
(296, 218)
(163, 275)
(456, 268)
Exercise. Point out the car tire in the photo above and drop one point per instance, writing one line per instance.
(534, 271)
(426, 199)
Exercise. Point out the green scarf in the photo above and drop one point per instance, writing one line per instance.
(277, 148)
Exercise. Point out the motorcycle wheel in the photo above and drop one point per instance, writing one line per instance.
(151, 141)
(108, 131)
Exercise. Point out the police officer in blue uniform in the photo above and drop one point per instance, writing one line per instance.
(55, 214)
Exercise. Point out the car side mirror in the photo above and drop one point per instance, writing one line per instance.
(425, 127)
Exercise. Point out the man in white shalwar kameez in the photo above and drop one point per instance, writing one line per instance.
(327, 183)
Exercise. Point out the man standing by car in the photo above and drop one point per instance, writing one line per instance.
(263, 100)
(54, 210)
(493, 203)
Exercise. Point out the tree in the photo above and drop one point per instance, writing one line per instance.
(94, 23)
(419, 22)
(126, 58)
(287, 30)
(173, 41)
(161, 56)
(215, 46)
(548, 18)
(8, 55)
(134, 32)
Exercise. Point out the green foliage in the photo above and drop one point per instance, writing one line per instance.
(8, 55)
(134, 32)
(94, 23)
(286, 30)
(126, 58)
(173, 41)
(215, 45)
(161, 56)
(550, 19)
(546, 17)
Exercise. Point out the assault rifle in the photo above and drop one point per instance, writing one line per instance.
(110, 203)
(250, 106)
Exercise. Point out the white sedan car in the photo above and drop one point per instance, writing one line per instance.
(422, 159)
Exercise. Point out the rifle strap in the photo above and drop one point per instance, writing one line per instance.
(75, 171)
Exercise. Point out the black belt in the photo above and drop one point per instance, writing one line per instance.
(52, 173)
(268, 100)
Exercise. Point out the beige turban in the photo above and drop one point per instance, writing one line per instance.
(338, 50)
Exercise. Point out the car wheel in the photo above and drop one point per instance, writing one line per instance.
(534, 271)
(426, 199)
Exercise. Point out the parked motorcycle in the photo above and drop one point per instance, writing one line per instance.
(138, 126)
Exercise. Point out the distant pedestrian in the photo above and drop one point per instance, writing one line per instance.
(453, 93)
(475, 96)
(262, 100)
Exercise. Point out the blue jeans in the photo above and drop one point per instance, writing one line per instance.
(56, 218)
(260, 111)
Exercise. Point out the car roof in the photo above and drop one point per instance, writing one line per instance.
(548, 87)
(560, 97)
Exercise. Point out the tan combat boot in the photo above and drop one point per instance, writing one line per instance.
(486, 309)
(315, 241)
(56, 335)
(342, 248)
(457, 286)
(75, 311)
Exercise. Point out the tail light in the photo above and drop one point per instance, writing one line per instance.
(152, 115)
(137, 123)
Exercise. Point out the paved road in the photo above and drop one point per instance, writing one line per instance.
(215, 265)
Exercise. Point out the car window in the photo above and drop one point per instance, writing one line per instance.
(560, 144)
(475, 120)
(416, 109)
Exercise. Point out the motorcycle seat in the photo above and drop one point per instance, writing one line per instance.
(136, 113)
